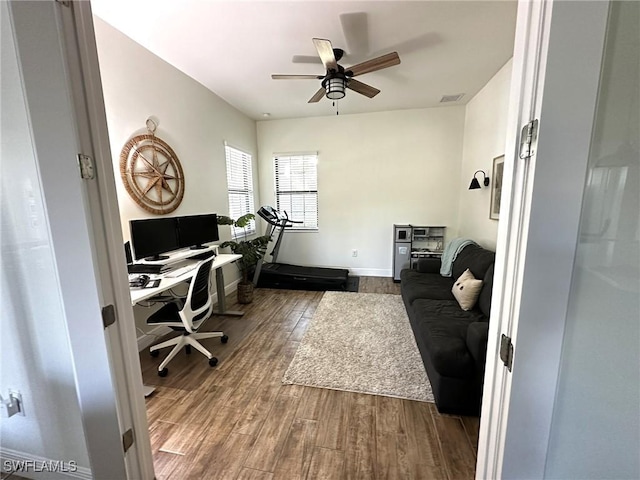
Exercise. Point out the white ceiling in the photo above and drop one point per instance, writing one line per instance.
(233, 47)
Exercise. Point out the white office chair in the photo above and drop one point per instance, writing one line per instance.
(187, 317)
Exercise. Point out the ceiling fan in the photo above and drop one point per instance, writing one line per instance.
(337, 78)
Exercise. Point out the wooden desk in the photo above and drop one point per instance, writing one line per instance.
(166, 283)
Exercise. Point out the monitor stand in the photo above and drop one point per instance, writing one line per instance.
(198, 247)
(156, 258)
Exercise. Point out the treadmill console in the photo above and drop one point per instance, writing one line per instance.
(273, 217)
(269, 214)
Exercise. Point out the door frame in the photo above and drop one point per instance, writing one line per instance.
(537, 239)
(121, 336)
(59, 70)
(530, 47)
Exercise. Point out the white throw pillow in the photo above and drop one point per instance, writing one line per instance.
(466, 289)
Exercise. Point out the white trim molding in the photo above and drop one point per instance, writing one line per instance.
(371, 272)
(534, 268)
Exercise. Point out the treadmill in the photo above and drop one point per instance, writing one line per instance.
(294, 277)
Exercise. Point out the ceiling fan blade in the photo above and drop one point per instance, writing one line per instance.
(296, 77)
(325, 51)
(306, 59)
(385, 61)
(362, 88)
(318, 96)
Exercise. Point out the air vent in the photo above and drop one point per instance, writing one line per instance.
(451, 98)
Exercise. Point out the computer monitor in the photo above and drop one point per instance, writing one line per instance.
(195, 230)
(152, 236)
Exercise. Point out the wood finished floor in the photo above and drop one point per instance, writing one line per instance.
(237, 421)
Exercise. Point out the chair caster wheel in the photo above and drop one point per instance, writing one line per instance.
(154, 353)
(187, 349)
(224, 339)
(163, 372)
(213, 361)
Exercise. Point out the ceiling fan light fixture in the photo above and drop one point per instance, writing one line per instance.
(336, 80)
(335, 88)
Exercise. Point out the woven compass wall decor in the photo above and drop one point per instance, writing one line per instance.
(151, 172)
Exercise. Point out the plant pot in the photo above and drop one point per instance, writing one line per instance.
(245, 292)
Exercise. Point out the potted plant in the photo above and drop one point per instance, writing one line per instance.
(251, 250)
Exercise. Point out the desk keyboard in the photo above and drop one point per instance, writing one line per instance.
(181, 271)
(144, 268)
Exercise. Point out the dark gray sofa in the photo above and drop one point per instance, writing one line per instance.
(452, 342)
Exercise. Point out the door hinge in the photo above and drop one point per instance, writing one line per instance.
(85, 162)
(506, 351)
(127, 440)
(529, 139)
(108, 315)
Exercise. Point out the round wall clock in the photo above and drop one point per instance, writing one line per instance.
(151, 173)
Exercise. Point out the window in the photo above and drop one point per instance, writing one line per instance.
(240, 185)
(297, 188)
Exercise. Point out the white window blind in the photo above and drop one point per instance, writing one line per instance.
(240, 186)
(297, 188)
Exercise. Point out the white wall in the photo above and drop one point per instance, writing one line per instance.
(192, 120)
(408, 166)
(35, 356)
(485, 128)
(374, 170)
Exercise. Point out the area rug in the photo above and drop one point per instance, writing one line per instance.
(361, 342)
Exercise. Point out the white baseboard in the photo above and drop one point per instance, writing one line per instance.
(371, 272)
(148, 339)
(32, 466)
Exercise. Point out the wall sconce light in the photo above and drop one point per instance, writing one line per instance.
(475, 184)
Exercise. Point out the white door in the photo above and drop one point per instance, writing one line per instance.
(568, 268)
(62, 257)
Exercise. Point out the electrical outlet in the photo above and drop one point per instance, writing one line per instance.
(12, 405)
(354, 252)
(16, 396)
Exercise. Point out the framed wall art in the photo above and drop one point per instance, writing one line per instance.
(152, 173)
(496, 187)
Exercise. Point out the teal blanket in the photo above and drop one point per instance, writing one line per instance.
(450, 253)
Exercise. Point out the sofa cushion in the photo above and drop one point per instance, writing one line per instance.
(484, 300)
(477, 337)
(425, 285)
(429, 265)
(475, 258)
(442, 327)
(466, 289)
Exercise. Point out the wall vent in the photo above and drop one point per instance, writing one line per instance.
(451, 98)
